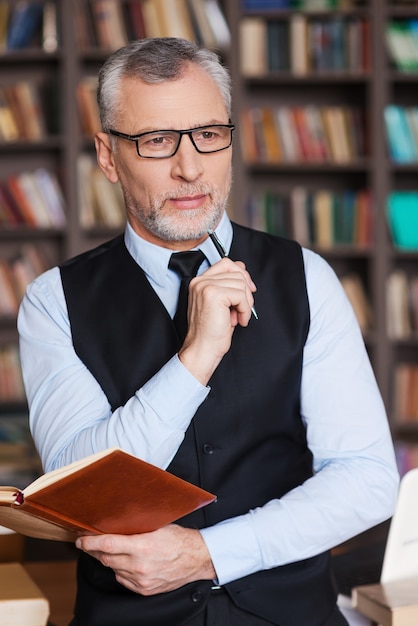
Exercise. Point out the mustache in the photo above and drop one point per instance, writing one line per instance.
(194, 189)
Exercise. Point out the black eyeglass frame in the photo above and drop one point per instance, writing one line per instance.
(188, 132)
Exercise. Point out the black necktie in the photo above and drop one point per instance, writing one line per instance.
(185, 264)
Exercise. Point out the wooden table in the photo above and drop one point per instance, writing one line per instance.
(57, 580)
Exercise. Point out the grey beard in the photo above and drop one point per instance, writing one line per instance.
(193, 224)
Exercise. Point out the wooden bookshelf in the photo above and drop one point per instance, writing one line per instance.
(369, 83)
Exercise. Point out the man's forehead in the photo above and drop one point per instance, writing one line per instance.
(192, 100)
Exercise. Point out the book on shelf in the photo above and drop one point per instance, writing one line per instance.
(402, 45)
(318, 143)
(84, 28)
(9, 303)
(247, 136)
(261, 5)
(19, 461)
(86, 202)
(100, 202)
(175, 18)
(135, 20)
(108, 492)
(402, 215)
(4, 18)
(269, 136)
(20, 200)
(413, 301)
(302, 44)
(22, 113)
(21, 600)
(11, 383)
(29, 108)
(406, 453)
(87, 105)
(203, 28)
(36, 199)
(252, 46)
(356, 293)
(10, 216)
(25, 265)
(337, 133)
(405, 393)
(16, 273)
(108, 200)
(300, 223)
(25, 21)
(52, 196)
(302, 134)
(218, 24)
(152, 19)
(287, 132)
(398, 305)
(110, 24)
(278, 46)
(299, 55)
(322, 218)
(258, 117)
(50, 27)
(270, 212)
(32, 197)
(308, 148)
(400, 138)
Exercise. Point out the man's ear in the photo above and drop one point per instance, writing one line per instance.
(105, 156)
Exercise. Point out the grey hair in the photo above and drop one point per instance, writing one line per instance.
(155, 60)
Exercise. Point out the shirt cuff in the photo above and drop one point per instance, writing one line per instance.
(233, 548)
(174, 394)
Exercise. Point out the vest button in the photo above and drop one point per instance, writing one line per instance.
(207, 448)
(196, 596)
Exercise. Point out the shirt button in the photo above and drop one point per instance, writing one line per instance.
(196, 596)
(207, 448)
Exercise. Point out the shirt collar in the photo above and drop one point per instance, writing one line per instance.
(154, 259)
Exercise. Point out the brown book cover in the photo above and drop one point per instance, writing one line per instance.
(108, 492)
(393, 602)
(21, 600)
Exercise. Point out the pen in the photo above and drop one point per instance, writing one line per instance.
(220, 249)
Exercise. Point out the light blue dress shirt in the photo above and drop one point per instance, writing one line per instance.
(355, 477)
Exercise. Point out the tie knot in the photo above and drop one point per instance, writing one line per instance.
(186, 264)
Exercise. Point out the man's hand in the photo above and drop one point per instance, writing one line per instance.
(155, 562)
(219, 300)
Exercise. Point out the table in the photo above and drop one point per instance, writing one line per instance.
(57, 580)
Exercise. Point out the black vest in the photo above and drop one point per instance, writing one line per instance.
(246, 443)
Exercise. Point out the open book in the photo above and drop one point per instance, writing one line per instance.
(108, 492)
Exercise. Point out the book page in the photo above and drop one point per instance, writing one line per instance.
(52, 477)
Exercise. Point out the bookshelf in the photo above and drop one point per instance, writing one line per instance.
(54, 52)
(360, 75)
(357, 81)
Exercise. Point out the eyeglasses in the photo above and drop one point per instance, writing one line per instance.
(163, 144)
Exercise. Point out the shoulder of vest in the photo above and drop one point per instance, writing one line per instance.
(245, 233)
(93, 253)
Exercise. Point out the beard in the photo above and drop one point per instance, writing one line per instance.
(177, 225)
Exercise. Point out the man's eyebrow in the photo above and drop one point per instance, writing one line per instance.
(163, 128)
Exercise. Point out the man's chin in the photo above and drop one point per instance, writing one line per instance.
(188, 228)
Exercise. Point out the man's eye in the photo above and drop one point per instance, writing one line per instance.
(159, 141)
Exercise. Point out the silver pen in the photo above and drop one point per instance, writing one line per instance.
(221, 251)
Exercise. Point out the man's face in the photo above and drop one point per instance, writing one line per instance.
(176, 199)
